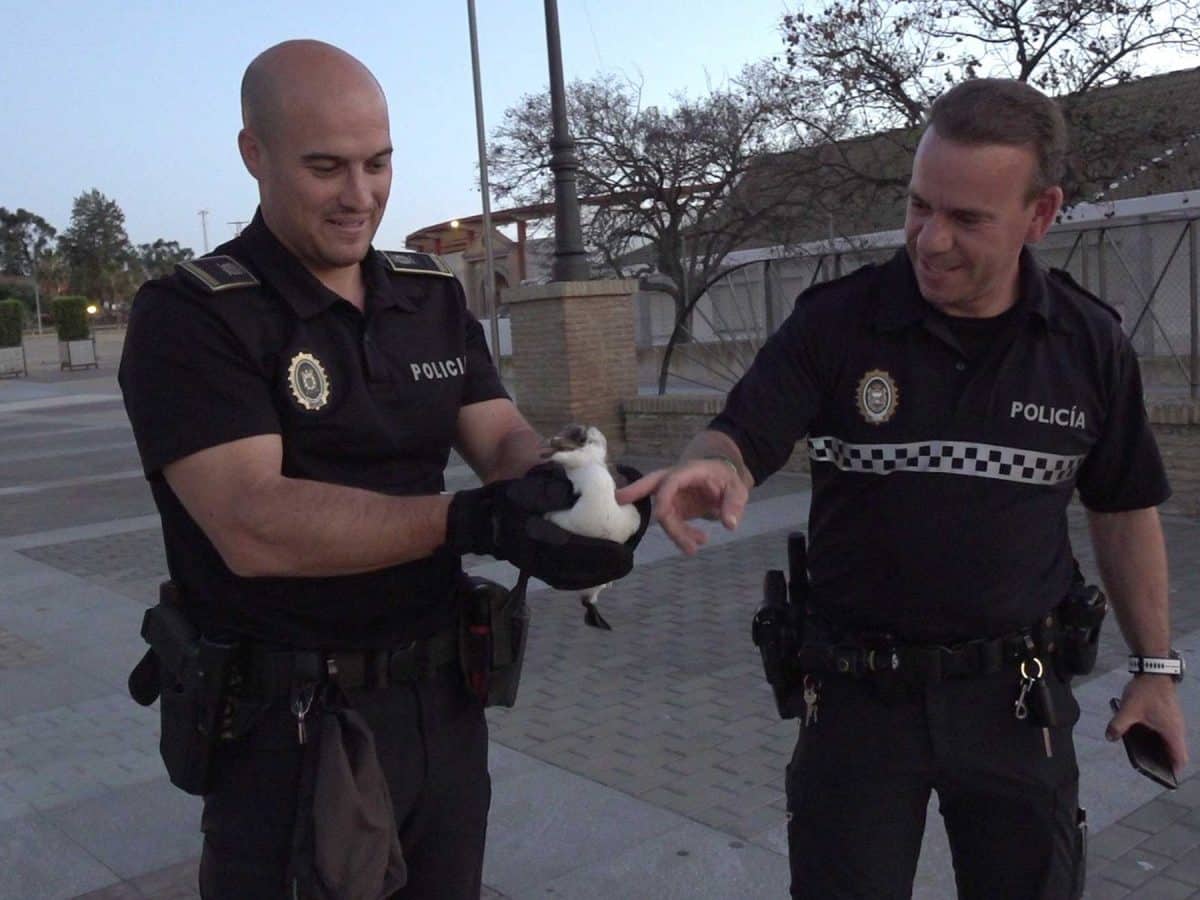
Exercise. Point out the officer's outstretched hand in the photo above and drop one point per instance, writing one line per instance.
(506, 519)
(698, 488)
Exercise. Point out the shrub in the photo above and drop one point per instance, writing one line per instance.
(71, 318)
(12, 317)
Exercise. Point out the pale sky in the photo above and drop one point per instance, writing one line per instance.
(139, 99)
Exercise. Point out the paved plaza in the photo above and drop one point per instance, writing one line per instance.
(645, 762)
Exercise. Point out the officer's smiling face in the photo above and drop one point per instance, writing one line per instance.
(324, 167)
(970, 211)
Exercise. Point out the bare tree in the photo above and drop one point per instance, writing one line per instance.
(659, 186)
(858, 67)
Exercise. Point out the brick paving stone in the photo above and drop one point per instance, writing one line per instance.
(177, 882)
(1155, 816)
(1098, 888)
(1174, 841)
(1136, 867)
(122, 890)
(16, 651)
(1163, 888)
(1186, 870)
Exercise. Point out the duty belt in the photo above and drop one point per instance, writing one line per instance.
(925, 662)
(278, 670)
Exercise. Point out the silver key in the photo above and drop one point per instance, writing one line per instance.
(810, 699)
(302, 700)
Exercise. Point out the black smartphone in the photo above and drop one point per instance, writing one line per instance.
(1147, 752)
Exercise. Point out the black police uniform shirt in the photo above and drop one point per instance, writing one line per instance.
(368, 401)
(941, 481)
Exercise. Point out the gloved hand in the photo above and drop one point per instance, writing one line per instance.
(506, 519)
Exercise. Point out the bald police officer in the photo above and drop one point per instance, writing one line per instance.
(295, 397)
(953, 398)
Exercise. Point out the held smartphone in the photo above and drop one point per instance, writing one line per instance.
(1147, 752)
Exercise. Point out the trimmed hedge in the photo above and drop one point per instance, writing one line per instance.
(71, 318)
(12, 317)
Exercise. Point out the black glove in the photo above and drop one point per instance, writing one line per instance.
(506, 519)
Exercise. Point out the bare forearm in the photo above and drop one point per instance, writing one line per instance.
(294, 527)
(515, 454)
(711, 444)
(1132, 558)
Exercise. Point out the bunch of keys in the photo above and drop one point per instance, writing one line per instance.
(811, 696)
(1034, 701)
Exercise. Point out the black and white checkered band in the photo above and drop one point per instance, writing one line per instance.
(946, 457)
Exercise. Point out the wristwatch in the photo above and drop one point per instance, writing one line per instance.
(1172, 665)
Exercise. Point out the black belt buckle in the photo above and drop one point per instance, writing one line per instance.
(407, 663)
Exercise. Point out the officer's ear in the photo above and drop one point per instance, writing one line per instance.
(1045, 211)
(251, 149)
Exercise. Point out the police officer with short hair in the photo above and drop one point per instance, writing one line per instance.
(953, 399)
(295, 397)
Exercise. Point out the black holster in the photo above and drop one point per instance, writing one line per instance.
(189, 674)
(778, 628)
(493, 630)
(1079, 618)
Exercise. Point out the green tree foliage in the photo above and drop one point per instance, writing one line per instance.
(101, 260)
(12, 318)
(24, 238)
(71, 318)
(159, 259)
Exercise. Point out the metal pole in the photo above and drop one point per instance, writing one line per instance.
(1194, 290)
(489, 257)
(570, 259)
(37, 294)
(203, 214)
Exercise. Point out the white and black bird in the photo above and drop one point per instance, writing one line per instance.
(583, 451)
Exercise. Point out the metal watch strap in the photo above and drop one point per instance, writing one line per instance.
(717, 457)
(1171, 665)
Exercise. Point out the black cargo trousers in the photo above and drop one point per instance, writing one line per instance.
(860, 779)
(431, 739)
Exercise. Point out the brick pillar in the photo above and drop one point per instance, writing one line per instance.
(574, 358)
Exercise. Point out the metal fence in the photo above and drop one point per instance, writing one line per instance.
(1148, 269)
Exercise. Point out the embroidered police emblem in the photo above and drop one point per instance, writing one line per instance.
(877, 396)
(308, 381)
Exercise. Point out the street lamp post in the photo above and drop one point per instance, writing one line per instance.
(37, 294)
(489, 256)
(570, 259)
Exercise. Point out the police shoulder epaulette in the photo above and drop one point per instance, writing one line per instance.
(217, 273)
(1068, 281)
(836, 284)
(412, 262)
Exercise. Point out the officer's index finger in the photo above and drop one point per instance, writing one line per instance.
(643, 487)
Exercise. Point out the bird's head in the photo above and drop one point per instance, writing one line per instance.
(577, 445)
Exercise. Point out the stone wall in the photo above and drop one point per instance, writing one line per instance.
(662, 426)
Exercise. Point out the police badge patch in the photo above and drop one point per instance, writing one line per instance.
(308, 381)
(877, 396)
